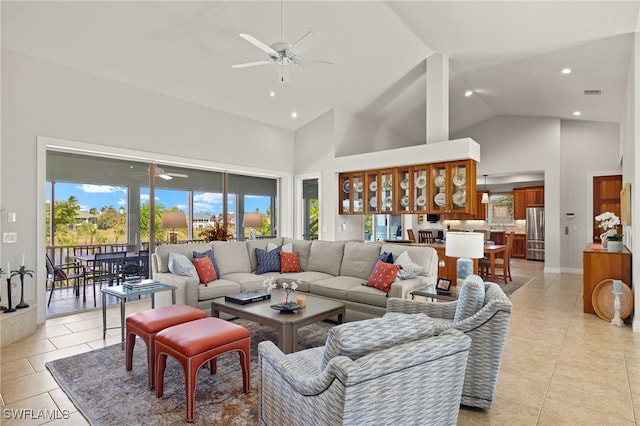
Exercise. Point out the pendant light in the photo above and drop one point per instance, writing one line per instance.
(485, 196)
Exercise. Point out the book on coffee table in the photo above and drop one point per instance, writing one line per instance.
(248, 297)
(138, 285)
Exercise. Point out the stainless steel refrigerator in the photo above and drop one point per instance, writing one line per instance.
(535, 233)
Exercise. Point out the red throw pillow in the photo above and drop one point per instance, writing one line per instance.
(382, 276)
(289, 262)
(205, 269)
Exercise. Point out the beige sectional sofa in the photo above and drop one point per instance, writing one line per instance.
(329, 269)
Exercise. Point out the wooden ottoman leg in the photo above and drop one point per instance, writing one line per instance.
(245, 360)
(151, 359)
(161, 363)
(131, 343)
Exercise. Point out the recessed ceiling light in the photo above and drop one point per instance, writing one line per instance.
(294, 114)
(468, 93)
(566, 71)
(577, 113)
(272, 94)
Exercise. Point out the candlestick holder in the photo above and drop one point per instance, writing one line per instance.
(617, 321)
(2, 308)
(9, 309)
(22, 272)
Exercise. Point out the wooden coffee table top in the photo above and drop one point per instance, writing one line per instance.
(316, 310)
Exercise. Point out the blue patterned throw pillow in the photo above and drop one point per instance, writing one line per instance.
(209, 254)
(268, 261)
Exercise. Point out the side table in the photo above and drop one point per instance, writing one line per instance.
(427, 292)
(121, 293)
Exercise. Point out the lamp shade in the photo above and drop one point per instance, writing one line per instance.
(485, 198)
(465, 244)
(252, 220)
(173, 220)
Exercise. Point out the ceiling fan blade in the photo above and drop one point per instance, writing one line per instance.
(310, 63)
(283, 73)
(257, 43)
(305, 42)
(180, 175)
(251, 64)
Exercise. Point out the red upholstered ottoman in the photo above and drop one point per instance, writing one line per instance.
(195, 343)
(147, 324)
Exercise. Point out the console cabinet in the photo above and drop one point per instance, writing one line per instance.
(599, 264)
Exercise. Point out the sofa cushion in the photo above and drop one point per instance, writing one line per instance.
(334, 287)
(180, 264)
(326, 256)
(218, 288)
(303, 248)
(209, 254)
(359, 259)
(163, 251)
(382, 276)
(359, 338)
(386, 257)
(205, 270)
(252, 245)
(289, 262)
(232, 256)
(268, 261)
(470, 298)
(368, 295)
(408, 269)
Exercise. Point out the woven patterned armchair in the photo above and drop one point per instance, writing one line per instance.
(486, 324)
(361, 377)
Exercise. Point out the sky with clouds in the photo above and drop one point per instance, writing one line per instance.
(99, 196)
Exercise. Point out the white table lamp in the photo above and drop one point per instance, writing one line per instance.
(465, 246)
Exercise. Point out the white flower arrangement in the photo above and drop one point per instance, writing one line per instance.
(608, 221)
(271, 284)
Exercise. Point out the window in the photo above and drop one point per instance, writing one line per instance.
(501, 209)
(380, 227)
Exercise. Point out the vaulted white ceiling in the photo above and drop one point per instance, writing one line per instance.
(510, 53)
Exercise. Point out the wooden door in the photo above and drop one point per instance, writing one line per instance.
(606, 198)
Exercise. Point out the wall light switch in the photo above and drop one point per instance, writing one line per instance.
(11, 217)
(9, 237)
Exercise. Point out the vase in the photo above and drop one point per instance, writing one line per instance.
(603, 240)
(614, 246)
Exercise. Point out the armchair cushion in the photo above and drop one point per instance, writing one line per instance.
(359, 338)
(470, 299)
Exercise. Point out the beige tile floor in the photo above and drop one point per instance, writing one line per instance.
(560, 366)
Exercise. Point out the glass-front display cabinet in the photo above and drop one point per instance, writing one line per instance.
(420, 189)
(351, 193)
(386, 191)
(453, 187)
(371, 182)
(403, 202)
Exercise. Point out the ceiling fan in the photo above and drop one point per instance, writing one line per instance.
(162, 174)
(283, 54)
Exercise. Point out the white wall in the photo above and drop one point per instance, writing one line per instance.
(43, 99)
(588, 149)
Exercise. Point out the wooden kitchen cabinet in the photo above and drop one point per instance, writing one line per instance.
(453, 187)
(519, 248)
(519, 204)
(599, 264)
(535, 196)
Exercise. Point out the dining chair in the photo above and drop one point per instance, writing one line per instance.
(502, 262)
(106, 268)
(411, 235)
(425, 236)
(65, 272)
